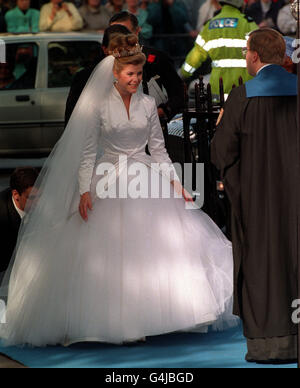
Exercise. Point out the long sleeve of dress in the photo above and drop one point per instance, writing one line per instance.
(89, 153)
(157, 147)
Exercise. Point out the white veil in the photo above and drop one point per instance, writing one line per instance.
(57, 185)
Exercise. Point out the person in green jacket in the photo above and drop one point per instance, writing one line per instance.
(222, 39)
(22, 18)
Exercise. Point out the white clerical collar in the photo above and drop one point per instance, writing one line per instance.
(20, 212)
(269, 64)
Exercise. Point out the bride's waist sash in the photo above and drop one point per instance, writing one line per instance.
(112, 164)
(115, 156)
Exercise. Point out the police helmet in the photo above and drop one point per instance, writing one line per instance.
(233, 3)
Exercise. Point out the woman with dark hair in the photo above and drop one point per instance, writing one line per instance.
(133, 261)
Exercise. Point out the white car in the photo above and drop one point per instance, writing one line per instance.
(34, 85)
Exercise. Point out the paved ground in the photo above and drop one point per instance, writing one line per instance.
(8, 363)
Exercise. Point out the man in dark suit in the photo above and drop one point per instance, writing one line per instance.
(82, 77)
(13, 201)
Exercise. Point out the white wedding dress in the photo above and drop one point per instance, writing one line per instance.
(137, 268)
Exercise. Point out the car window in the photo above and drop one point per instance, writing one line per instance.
(19, 71)
(65, 59)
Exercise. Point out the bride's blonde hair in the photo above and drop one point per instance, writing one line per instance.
(126, 50)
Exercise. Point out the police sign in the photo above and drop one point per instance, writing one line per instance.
(223, 23)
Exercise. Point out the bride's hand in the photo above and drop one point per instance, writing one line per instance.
(180, 190)
(84, 205)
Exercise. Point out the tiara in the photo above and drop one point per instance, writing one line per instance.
(127, 53)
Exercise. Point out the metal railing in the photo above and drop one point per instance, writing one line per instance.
(206, 112)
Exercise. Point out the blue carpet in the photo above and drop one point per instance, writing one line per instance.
(180, 350)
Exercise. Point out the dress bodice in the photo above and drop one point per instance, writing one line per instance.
(113, 133)
(120, 133)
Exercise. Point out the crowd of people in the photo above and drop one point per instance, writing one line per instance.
(156, 17)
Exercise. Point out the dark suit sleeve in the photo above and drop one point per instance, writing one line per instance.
(173, 85)
(78, 84)
(9, 227)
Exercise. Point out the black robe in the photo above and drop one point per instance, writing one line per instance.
(255, 147)
(9, 227)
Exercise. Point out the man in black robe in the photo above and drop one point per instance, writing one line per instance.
(255, 147)
(13, 201)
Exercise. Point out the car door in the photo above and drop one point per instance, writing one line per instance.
(20, 100)
(64, 60)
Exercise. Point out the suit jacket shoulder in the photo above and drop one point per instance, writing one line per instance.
(10, 220)
(159, 64)
(160, 55)
(78, 84)
(7, 209)
(9, 227)
(5, 197)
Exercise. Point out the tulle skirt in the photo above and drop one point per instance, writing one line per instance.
(137, 268)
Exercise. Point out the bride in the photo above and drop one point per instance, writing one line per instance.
(123, 267)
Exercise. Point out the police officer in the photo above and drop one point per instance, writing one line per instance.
(222, 39)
